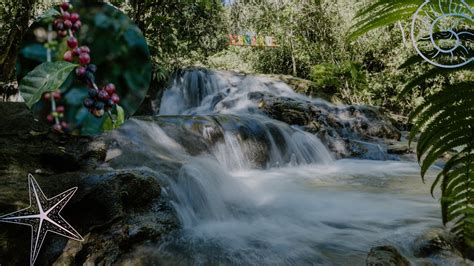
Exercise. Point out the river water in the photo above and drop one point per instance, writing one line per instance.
(261, 192)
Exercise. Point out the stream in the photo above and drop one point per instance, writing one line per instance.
(251, 190)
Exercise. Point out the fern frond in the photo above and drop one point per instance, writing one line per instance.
(432, 73)
(382, 13)
(446, 123)
(387, 12)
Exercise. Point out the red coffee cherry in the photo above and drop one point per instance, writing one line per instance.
(66, 15)
(74, 17)
(47, 96)
(57, 128)
(110, 88)
(68, 56)
(76, 51)
(57, 95)
(64, 125)
(84, 59)
(67, 24)
(62, 33)
(77, 25)
(80, 71)
(50, 118)
(65, 6)
(103, 95)
(72, 42)
(115, 98)
(58, 24)
(85, 49)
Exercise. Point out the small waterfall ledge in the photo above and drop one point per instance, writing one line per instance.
(363, 132)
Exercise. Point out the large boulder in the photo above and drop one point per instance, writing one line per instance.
(386, 256)
(118, 213)
(438, 246)
(115, 211)
(348, 131)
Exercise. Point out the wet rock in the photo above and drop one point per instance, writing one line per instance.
(303, 86)
(114, 210)
(399, 148)
(27, 146)
(436, 243)
(335, 125)
(386, 256)
(124, 210)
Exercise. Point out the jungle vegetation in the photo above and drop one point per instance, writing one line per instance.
(357, 51)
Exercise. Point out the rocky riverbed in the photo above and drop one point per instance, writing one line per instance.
(116, 211)
(123, 207)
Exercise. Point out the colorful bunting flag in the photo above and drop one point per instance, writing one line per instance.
(252, 40)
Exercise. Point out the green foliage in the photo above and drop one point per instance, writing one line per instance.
(49, 15)
(46, 77)
(325, 75)
(305, 32)
(233, 58)
(178, 32)
(332, 78)
(382, 13)
(119, 119)
(312, 33)
(444, 122)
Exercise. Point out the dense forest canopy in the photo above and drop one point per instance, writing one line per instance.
(313, 39)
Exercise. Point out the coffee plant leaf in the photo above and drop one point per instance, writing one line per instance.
(44, 78)
(49, 15)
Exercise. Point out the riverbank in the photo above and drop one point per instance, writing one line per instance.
(239, 185)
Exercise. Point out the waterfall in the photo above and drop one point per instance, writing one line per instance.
(248, 137)
(188, 90)
(251, 190)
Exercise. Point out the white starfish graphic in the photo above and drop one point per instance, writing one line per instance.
(43, 217)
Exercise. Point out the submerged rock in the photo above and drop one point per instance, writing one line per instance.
(386, 256)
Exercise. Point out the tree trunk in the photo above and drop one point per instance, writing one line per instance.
(15, 30)
(293, 59)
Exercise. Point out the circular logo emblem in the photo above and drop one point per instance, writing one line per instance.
(442, 32)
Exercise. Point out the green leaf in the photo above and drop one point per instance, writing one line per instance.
(119, 119)
(49, 15)
(44, 78)
(120, 116)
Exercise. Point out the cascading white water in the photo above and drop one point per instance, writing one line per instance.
(319, 213)
(188, 90)
(265, 193)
